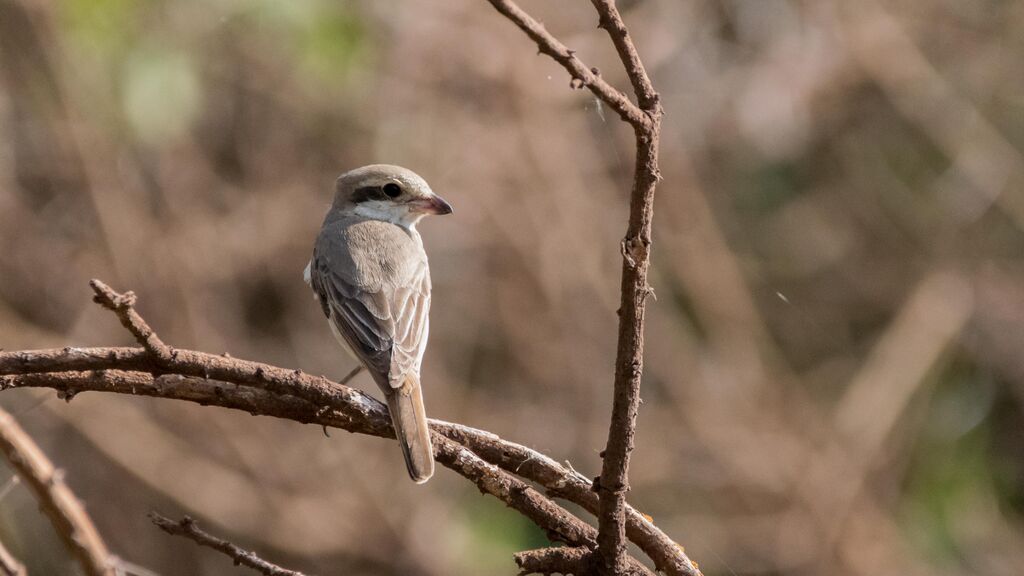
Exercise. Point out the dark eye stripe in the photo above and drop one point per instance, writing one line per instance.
(368, 193)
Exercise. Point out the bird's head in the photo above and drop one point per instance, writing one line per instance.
(389, 193)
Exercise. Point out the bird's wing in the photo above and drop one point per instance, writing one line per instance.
(385, 327)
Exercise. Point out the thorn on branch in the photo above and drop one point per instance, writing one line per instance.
(624, 248)
(649, 291)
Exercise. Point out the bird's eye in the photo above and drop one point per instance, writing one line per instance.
(392, 190)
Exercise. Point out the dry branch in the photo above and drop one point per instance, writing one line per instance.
(93, 375)
(188, 528)
(548, 561)
(56, 500)
(582, 75)
(567, 484)
(9, 565)
(636, 246)
(577, 561)
(269, 390)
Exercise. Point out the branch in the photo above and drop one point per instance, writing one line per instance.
(576, 561)
(509, 456)
(582, 75)
(558, 523)
(646, 122)
(611, 21)
(561, 482)
(264, 389)
(55, 499)
(9, 565)
(188, 528)
(636, 254)
(549, 561)
(124, 306)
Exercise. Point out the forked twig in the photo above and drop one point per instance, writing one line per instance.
(187, 527)
(645, 119)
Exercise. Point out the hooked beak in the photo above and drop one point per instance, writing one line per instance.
(433, 205)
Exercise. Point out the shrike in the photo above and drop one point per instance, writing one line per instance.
(370, 275)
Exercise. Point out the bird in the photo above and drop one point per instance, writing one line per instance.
(370, 274)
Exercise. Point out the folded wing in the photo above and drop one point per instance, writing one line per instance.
(385, 325)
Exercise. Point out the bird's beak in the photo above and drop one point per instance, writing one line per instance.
(431, 205)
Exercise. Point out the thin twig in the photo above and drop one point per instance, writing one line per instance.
(124, 306)
(65, 512)
(188, 528)
(348, 377)
(610, 19)
(582, 75)
(636, 246)
(9, 485)
(123, 567)
(9, 565)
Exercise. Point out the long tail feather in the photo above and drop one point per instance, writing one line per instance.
(410, 420)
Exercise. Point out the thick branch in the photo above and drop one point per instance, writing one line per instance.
(358, 412)
(263, 389)
(188, 528)
(547, 561)
(564, 483)
(56, 500)
(580, 72)
(557, 480)
(555, 521)
(559, 524)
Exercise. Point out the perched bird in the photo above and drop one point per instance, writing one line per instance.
(370, 275)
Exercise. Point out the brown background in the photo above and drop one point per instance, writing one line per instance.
(834, 383)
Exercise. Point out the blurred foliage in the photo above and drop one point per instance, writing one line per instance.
(495, 535)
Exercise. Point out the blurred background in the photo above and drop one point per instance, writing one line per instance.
(834, 381)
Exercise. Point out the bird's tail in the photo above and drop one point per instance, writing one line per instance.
(410, 421)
